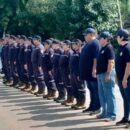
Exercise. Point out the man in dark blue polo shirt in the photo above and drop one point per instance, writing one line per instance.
(123, 71)
(88, 68)
(106, 78)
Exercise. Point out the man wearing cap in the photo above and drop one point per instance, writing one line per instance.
(106, 78)
(78, 89)
(11, 60)
(37, 69)
(13, 54)
(28, 65)
(27, 87)
(123, 72)
(87, 66)
(17, 62)
(5, 59)
(46, 63)
(65, 74)
(56, 69)
(21, 58)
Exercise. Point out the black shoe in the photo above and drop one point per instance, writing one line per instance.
(58, 98)
(88, 110)
(13, 85)
(95, 112)
(55, 99)
(5, 81)
(122, 122)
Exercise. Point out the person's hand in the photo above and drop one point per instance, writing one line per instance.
(15, 62)
(108, 77)
(94, 74)
(40, 69)
(50, 73)
(124, 83)
(69, 76)
(78, 78)
(25, 67)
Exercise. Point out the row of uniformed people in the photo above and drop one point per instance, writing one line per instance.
(32, 66)
(64, 66)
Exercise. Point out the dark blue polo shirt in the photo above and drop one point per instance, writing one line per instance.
(88, 54)
(106, 53)
(122, 58)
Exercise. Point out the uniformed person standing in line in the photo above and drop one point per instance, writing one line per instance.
(56, 70)
(27, 87)
(77, 87)
(14, 54)
(21, 58)
(11, 60)
(46, 63)
(28, 65)
(4, 59)
(17, 71)
(37, 69)
(123, 72)
(65, 72)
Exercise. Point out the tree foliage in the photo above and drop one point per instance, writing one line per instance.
(57, 18)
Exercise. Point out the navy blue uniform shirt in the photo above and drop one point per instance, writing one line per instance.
(122, 58)
(88, 54)
(46, 61)
(2, 52)
(106, 53)
(64, 59)
(21, 56)
(11, 53)
(56, 58)
(74, 63)
(17, 50)
(28, 52)
(5, 53)
(36, 55)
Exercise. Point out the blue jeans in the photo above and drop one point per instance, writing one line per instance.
(126, 100)
(94, 97)
(107, 95)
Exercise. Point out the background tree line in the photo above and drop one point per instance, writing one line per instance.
(60, 18)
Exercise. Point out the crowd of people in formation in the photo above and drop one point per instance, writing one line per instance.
(68, 66)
